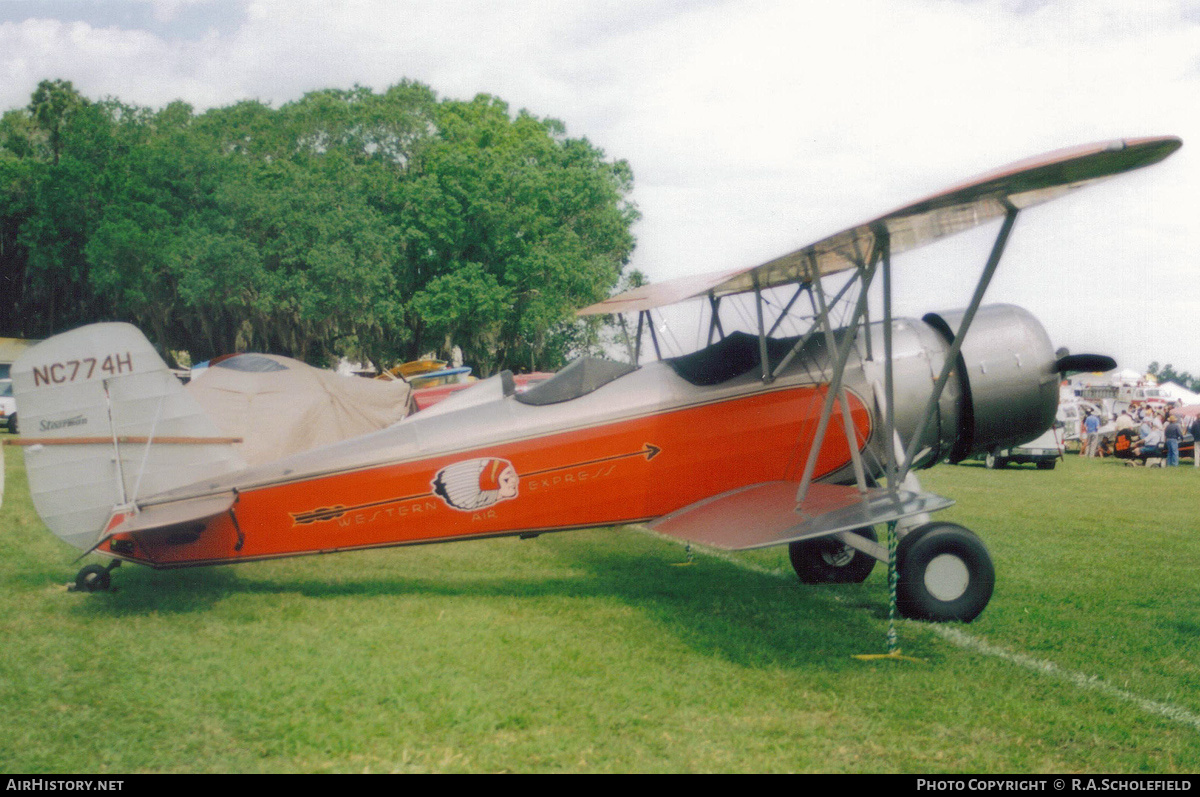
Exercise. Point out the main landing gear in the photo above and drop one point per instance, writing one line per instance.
(826, 560)
(944, 572)
(94, 578)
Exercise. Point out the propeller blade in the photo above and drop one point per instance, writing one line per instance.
(1076, 363)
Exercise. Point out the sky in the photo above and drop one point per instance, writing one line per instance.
(753, 127)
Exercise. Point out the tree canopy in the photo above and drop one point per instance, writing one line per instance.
(1167, 373)
(347, 223)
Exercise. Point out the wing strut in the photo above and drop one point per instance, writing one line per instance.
(763, 358)
(800, 344)
(835, 389)
(910, 455)
(783, 314)
(637, 353)
(714, 323)
(653, 334)
(831, 343)
(883, 241)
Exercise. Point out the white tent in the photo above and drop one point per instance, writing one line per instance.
(1128, 376)
(1174, 392)
(280, 406)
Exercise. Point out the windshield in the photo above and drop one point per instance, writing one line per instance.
(578, 378)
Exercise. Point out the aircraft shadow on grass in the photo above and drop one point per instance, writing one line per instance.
(748, 617)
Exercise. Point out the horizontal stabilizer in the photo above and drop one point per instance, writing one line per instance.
(170, 515)
(766, 514)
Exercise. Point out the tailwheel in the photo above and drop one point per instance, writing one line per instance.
(95, 578)
(826, 560)
(944, 574)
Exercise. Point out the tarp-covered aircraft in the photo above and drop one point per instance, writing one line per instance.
(279, 406)
(807, 441)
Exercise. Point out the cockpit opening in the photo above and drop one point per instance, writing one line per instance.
(735, 354)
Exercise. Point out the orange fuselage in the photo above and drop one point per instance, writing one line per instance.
(630, 470)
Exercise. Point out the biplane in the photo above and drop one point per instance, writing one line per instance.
(757, 439)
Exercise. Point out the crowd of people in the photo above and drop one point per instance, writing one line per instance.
(1150, 433)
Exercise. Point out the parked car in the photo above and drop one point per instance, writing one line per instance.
(1044, 451)
(8, 406)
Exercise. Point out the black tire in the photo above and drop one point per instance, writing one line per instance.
(1047, 464)
(92, 578)
(993, 462)
(12, 423)
(945, 574)
(825, 560)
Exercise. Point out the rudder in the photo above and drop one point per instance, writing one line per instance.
(114, 424)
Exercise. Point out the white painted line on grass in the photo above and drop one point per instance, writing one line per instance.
(1092, 682)
(963, 640)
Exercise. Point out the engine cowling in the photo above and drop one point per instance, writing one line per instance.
(1006, 376)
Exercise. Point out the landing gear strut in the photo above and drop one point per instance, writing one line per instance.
(94, 578)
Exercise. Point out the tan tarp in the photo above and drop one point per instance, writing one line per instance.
(280, 406)
(11, 348)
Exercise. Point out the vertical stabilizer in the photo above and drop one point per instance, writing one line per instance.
(109, 424)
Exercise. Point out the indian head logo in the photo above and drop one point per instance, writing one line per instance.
(476, 483)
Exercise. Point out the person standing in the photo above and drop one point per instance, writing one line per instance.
(1092, 426)
(1194, 431)
(1174, 434)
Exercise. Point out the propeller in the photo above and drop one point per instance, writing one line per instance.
(1077, 363)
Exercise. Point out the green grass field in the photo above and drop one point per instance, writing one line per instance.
(596, 652)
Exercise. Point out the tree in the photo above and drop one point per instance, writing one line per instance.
(51, 106)
(346, 223)
(66, 185)
(509, 227)
(1168, 374)
(17, 184)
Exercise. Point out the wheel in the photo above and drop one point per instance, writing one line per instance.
(826, 560)
(12, 423)
(92, 578)
(944, 573)
(991, 461)
(1047, 464)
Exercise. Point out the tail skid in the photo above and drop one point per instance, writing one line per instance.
(109, 424)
